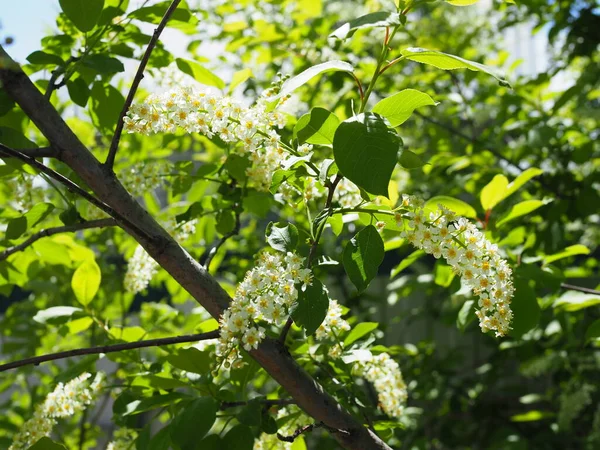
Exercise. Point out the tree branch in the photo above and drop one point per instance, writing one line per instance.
(579, 288)
(267, 403)
(72, 187)
(42, 152)
(114, 145)
(306, 429)
(191, 275)
(100, 223)
(35, 360)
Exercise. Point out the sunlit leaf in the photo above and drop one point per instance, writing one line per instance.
(400, 106)
(86, 281)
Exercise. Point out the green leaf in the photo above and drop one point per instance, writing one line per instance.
(462, 2)
(79, 91)
(360, 330)
(316, 127)
(311, 307)
(45, 443)
(572, 250)
(295, 82)
(106, 106)
(200, 73)
(236, 166)
(240, 437)
(523, 178)
(56, 315)
(466, 314)
(458, 206)
(525, 308)
(406, 262)
(337, 223)
(400, 106)
(531, 416)
(16, 227)
(574, 301)
(450, 62)
(362, 256)
(103, 63)
(520, 209)
(193, 422)
(38, 213)
(44, 58)
(239, 77)
(15, 138)
(150, 403)
(410, 160)
(443, 275)
(83, 13)
(366, 151)
(493, 192)
(191, 360)
(372, 20)
(282, 236)
(593, 331)
(86, 281)
(251, 413)
(127, 334)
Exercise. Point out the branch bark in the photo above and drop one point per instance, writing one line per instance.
(42, 152)
(191, 275)
(35, 360)
(100, 223)
(114, 145)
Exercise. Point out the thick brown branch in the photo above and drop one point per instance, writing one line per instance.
(100, 223)
(114, 145)
(42, 152)
(109, 349)
(191, 275)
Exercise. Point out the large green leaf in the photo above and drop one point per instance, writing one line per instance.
(372, 20)
(316, 127)
(454, 204)
(193, 422)
(282, 236)
(362, 257)
(86, 281)
(294, 83)
(311, 308)
(574, 301)
(200, 73)
(191, 360)
(240, 437)
(366, 151)
(493, 192)
(106, 104)
(399, 107)
(521, 209)
(360, 330)
(572, 250)
(523, 178)
(450, 62)
(45, 443)
(83, 13)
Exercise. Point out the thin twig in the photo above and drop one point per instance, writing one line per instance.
(72, 187)
(100, 223)
(110, 349)
(213, 251)
(580, 289)
(266, 402)
(114, 145)
(308, 428)
(42, 152)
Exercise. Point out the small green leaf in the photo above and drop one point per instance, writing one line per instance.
(191, 360)
(86, 281)
(294, 83)
(520, 209)
(458, 206)
(450, 62)
(462, 2)
(251, 413)
(406, 262)
(443, 275)
(372, 20)
(574, 301)
(362, 256)
(316, 127)
(593, 331)
(400, 106)
(365, 151)
(240, 437)
(337, 223)
(523, 178)
(493, 192)
(83, 13)
(79, 91)
(572, 250)
(193, 422)
(282, 236)
(531, 416)
(410, 160)
(56, 315)
(200, 73)
(466, 314)
(103, 63)
(311, 307)
(16, 227)
(106, 104)
(45, 443)
(239, 77)
(44, 58)
(359, 331)
(38, 213)
(236, 166)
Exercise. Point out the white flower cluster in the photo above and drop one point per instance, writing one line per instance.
(66, 400)
(332, 327)
(471, 256)
(200, 111)
(141, 267)
(384, 373)
(266, 295)
(347, 194)
(271, 441)
(145, 177)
